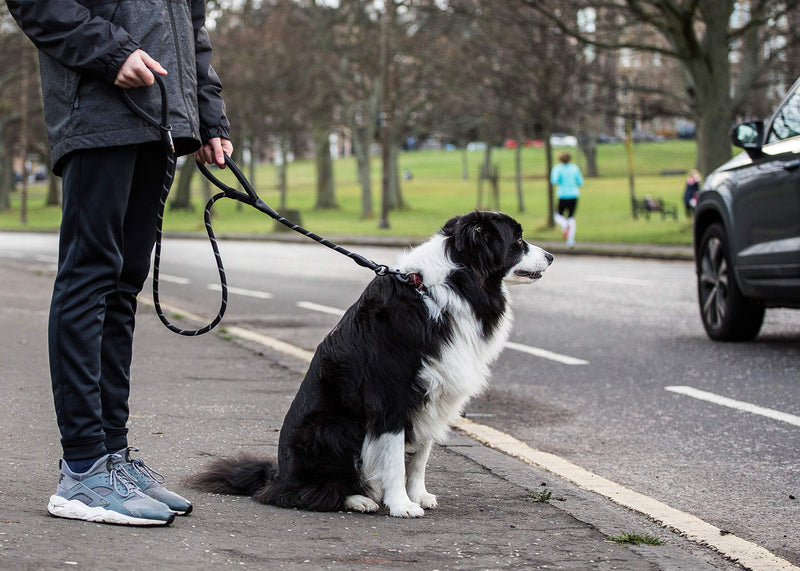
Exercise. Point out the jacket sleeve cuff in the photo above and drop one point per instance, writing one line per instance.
(118, 58)
(209, 132)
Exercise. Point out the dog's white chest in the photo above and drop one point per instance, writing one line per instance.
(459, 372)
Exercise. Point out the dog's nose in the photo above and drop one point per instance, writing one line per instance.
(549, 257)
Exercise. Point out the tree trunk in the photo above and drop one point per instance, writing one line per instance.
(326, 197)
(518, 170)
(281, 172)
(548, 154)
(713, 146)
(53, 190)
(253, 160)
(181, 194)
(589, 149)
(396, 201)
(53, 185)
(361, 141)
(6, 178)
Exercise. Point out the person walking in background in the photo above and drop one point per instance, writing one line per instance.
(690, 193)
(112, 164)
(568, 180)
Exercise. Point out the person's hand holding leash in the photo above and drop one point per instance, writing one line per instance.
(137, 71)
(213, 152)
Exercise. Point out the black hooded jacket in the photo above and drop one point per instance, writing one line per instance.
(83, 44)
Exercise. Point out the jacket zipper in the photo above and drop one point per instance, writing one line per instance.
(178, 56)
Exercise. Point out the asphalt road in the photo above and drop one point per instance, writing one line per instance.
(619, 333)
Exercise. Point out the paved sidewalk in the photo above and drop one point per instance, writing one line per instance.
(194, 398)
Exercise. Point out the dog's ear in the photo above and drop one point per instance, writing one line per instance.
(469, 236)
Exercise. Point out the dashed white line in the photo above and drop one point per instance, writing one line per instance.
(172, 279)
(736, 404)
(619, 280)
(545, 354)
(244, 292)
(320, 308)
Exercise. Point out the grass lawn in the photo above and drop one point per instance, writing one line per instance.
(437, 192)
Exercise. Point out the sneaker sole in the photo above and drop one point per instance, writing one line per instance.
(74, 509)
(187, 512)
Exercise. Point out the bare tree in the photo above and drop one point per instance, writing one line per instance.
(701, 35)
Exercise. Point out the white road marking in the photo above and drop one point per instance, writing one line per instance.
(535, 351)
(264, 340)
(162, 277)
(737, 404)
(240, 291)
(618, 280)
(746, 553)
(321, 308)
(545, 354)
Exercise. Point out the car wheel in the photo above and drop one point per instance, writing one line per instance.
(727, 314)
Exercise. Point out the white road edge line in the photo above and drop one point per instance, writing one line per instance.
(746, 553)
(535, 351)
(240, 291)
(737, 404)
(265, 340)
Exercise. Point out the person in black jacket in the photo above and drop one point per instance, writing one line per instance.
(112, 163)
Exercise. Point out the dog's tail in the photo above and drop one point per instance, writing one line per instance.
(242, 475)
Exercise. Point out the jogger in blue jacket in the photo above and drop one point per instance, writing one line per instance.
(568, 180)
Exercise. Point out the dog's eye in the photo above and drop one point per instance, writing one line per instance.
(520, 242)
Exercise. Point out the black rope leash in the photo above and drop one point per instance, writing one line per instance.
(249, 197)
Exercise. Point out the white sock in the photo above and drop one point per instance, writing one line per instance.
(571, 231)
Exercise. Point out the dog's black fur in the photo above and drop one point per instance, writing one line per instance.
(367, 378)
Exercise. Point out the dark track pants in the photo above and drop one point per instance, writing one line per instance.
(108, 228)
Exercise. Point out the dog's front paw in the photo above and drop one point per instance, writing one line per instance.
(427, 501)
(361, 504)
(406, 509)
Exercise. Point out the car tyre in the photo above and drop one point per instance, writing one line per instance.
(726, 313)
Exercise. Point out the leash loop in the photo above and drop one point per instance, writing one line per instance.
(249, 197)
(165, 130)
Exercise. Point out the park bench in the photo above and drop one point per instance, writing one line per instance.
(648, 206)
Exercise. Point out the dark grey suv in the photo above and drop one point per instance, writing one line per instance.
(747, 227)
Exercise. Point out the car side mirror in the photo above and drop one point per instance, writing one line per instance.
(750, 137)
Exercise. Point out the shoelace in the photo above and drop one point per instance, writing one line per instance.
(121, 481)
(139, 466)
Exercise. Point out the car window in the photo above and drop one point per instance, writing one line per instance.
(787, 120)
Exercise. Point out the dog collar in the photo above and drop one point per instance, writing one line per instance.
(413, 279)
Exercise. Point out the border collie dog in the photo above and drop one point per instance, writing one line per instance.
(387, 381)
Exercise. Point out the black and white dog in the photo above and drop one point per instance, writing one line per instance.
(387, 381)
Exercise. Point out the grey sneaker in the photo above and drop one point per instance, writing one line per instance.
(151, 483)
(106, 494)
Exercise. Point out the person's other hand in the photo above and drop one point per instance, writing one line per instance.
(137, 71)
(213, 152)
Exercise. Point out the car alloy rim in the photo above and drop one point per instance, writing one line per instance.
(714, 282)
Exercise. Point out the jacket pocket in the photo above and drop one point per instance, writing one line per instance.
(70, 86)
